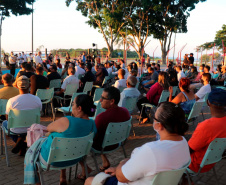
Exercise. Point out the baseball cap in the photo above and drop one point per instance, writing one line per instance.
(217, 97)
(23, 82)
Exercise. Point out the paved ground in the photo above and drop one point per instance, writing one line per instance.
(144, 133)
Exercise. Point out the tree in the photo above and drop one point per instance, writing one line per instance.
(39, 48)
(15, 7)
(105, 15)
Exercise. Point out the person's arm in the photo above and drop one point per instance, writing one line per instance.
(59, 125)
(118, 172)
(171, 93)
(149, 82)
(152, 92)
(196, 98)
(33, 84)
(177, 99)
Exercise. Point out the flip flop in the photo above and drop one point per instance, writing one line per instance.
(81, 177)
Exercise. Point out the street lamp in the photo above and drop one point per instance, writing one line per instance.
(1, 36)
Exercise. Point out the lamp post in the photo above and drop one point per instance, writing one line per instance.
(32, 29)
(1, 39)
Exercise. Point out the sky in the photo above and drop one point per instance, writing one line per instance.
(58, 26)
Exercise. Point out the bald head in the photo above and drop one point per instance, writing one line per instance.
(7, 79)
(131, 81)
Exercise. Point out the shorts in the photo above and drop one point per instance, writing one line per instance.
(111, 181)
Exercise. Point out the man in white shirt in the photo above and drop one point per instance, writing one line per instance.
(80, 69)
(23, 101)
(180, 73)
(130, 91)
(24, 57)
(70, 79)
(38, 59)
(109, 68)
(122, 81)
(20, 59)
(12, 63)
(205, 89)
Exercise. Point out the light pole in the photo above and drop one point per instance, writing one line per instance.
(32, 29)
(1, 40)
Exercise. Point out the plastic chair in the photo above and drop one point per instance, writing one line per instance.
(88, 87)
(1, 86)
(18, 119)
(46, 96)
(97, 94)
(116, 133)
(99, 110)
(213, 155)
(56, 84)
(175, 89)
(195, 111)
(171, 177)
(66, 110)
(66, 149)
(59, 71)
(3, 103)
(163, 98)
(204, 105)
(121, 89)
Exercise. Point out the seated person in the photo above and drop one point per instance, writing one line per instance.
(23, 101)
(22, 71)
(209, 129)
(153, 78)
(53, 75)
(194, 73)
(29, 70)
(80, 69)
(122, 81)
(130, 91)
(169, 153)
(154, 94)
(186, 98)
(38, 81)
(222, 76)
(180, 73)
(78, 125)
(206, 88)
(100, 75)
(71, 79)
(198, 77)
(109, 101)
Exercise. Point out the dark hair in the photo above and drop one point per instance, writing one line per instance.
(54, 67)
(39, 69)
(86, 103)
(202, 65)
(207, 75)
(113, 93)
(89, 66)
(28, 67)
(207, 67)
(185, 83)
(23, 65)
(163, 80)
(172, 117)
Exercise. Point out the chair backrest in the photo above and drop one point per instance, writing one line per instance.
(196, 109)
(45, 94)
(3, 103)
(70, 89)
(116, 133)
(130, 103)
(73, 97)
(55, 83)
(171, 177)
(205, 100)
(214, 152)
(23, 118)
(99, 109)
(175, 88)
(106, 79)
(121, 89)
(164, 96)
(88, 87)
(59, 70)
(97, 94)
(221, 87)
(66, 149)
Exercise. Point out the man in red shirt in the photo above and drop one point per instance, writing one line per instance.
(109, 101)
(208, 130)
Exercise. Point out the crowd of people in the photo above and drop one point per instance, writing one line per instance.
(169, 151)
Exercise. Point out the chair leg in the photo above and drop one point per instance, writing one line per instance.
(215, 174)
(1, 141)
(70, 169)
(203, 115)
(189, 180)
(52, 110)
(86, 169)
(6, 151)
(124, 152)
(140, 114)
(40, 173)
(95, 160)
(76, 170)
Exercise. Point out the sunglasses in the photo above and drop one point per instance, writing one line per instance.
(103, 98)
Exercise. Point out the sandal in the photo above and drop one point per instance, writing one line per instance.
(102, 169)
(81, 177)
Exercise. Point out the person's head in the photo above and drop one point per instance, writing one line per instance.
(219, 67)
(101, 66)
(170, 119)
(157, 67)
(96, 68)
(110, 97)
(39, 53)
(150, 70)
(134, 66)
(206, 77)
(217, 102)
(121, 73)
(88, 67)
(82, 65)
(22, 53)
(57, 61)
(19, 54)
(83, 106)
(194, 69)
(223, 69)
(71, 70)
(53, 68)
(134, 72)
(206, 69)
(153, 65)
(39, 70)
(23, 84)
(184, 84)
(129, 67)
(178, 68)
(7, 79)
(23, 65)
(131, 81)
(163, 80)
(201, 69)
(28, 67)
(191, 54)
(11, 53)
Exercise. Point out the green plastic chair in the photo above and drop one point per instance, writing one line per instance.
(175, 89)
(121, 89)
(163, 98)
(88, 87)
(171, 177)
(66, 110)
(213, 155)
(97, 95)
(195, 111)
(116, 133)
(46, 96)
(59, 71)
(99, 110)
(66, 149)
(18, 119)
(56, 84)
(3, 103)
(204, 105)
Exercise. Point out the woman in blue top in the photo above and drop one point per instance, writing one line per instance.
(186, 98)
(70, 127)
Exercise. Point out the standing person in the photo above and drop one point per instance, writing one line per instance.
(191, 60)
(20, 59)
(39, 58)
(6, 60)
(98, 59)
(24, 57)
(84, 57)
(31, 58)
(148, 59)
(12, 63)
